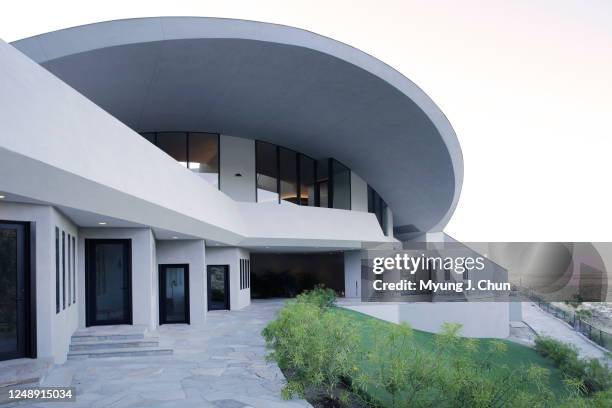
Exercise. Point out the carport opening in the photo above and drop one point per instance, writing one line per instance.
(289, 274)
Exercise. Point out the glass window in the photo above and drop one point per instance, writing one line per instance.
(307, 181)
(204, 156)
(174, 144)
(69, 271)
(267, 172)
(288, 175)
(149, 136)
(73, 270)
(341, 179)
(57, 271)
(63, 269)
(378, 207)
(322, 184)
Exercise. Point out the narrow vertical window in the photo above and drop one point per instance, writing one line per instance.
(69, 272)
(73, 270)
(57, 271)
(63, 269)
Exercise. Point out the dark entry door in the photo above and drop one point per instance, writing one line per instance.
(108, 281)
(173, 294)
(218, 287)
(14, 292)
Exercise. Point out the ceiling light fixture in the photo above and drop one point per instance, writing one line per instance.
(1, 197)
(174, 237)
(102, 223)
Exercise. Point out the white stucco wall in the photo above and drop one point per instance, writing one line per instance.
(478, 319)
(237, 157)
(144, 271)
(190, 252)
(231, 256)
(359, 193)
(53, 330)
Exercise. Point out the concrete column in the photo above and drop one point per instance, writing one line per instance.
(191, 252)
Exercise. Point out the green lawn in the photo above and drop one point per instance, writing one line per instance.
(516, 355)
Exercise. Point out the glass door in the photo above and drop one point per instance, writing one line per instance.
(14, 322)
(173, 294)
(218, 287)
(108, 281)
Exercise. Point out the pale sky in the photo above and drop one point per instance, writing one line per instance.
(527, 86)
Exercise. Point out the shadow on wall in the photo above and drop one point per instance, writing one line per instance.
(287, 275)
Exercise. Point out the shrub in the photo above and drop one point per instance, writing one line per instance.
(316, 345)
(591, 374)
(320, 296)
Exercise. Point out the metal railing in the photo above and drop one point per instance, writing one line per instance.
(593, 333)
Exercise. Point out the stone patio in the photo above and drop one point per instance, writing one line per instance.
(219, 365)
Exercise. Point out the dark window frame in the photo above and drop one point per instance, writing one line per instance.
(162, 292)
(57, 271)
(63, 270)
(90, 309)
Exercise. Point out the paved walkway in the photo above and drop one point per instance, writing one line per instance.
(547, 325)
(219, 365)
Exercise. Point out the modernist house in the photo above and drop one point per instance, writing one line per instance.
(155, 170)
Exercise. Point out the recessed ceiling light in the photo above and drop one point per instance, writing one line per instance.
(174, 237)
(1, 197)
(102, 223)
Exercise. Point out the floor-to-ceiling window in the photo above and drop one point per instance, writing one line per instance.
(198, 151)
(203, 156)
(322, 183)
(341, 186)
(377, 206)
(288, 176)
(174, 144)
(307, 180)
(267, 172)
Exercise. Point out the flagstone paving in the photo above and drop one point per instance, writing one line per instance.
(219, 365)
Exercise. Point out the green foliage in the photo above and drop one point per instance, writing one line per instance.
(317, 346)
(587, 376)
(321, 350)
(575, 301)
(320, 296)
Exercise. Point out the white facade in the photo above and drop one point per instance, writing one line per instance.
(67, 164)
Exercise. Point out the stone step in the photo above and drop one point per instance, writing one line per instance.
(113, 344)
(90, 338)
(23, 371)
(105, 333)
(119, 352)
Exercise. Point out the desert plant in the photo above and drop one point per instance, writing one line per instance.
(320, 296)
(317, 346)
(592, 376)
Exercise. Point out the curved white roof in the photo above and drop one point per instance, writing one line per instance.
(273, 83)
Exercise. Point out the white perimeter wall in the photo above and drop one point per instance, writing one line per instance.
(231, 256)
(145, 307)
(190, 252)
(237, 157)
(53, 330)
(478, 319)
